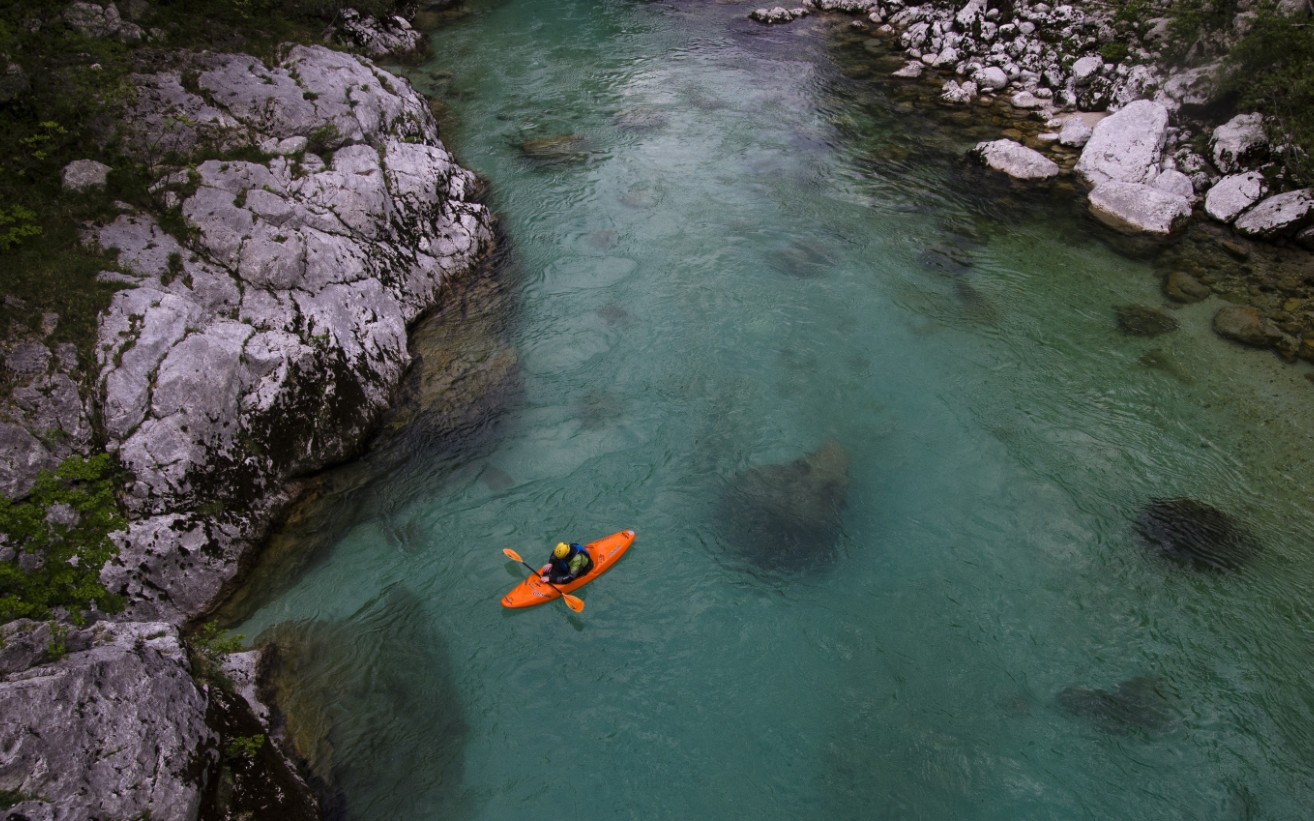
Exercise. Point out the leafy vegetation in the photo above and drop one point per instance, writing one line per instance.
(60, 536)
(1272, 71)
(209, 648)
(244, 747)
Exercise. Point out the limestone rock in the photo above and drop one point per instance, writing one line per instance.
(114, 730)
(1238, 142)
(1126, 146)
(1086, 69)
(1279, 215)
(1075, 132)
(270, 343)
(378, 37)
(1135, 208)
(91, 20)
(85, 175)
(1016, 160)
(1233, 194)
(910, 71)
(1180, 286)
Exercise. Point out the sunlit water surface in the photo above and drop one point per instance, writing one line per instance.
(756, 255)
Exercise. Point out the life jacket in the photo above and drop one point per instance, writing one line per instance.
(579, 562)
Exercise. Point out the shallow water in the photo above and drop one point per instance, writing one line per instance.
(744, 254)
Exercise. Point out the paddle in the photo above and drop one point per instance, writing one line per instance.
(573, 602)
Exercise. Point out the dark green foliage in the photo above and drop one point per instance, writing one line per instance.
(61, 532)
(1272, 71)
(209, 647)
(244, 747)
(10, 798)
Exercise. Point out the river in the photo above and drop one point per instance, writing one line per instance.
(751, 249)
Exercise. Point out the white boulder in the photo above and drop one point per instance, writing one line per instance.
(1136, 208)
(1278, 215)
(1125, 147)
(1233, 194)
(1016, 160)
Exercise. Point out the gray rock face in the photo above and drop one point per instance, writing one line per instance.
(47, 419)
(1139, 209)
(92, 20)
(270, 343)
(1126, 146)
(114, 730)
(1233, 194)
(1016, 160)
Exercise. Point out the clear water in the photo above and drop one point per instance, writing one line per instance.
(758, 271)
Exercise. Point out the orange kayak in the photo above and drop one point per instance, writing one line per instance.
(605, 552)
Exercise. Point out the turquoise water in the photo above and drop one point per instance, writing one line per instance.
(777, 256)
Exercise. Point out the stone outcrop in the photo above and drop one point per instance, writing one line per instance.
(378, 37)
(1127, 146)
(116, 729)
(269, 343)
(260, 337)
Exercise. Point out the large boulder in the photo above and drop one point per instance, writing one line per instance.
(1279, 215)
(1238, 142)
(1233, 194)
(1134, 208)
(1126, 146)
(787, 515)
(1016, 160)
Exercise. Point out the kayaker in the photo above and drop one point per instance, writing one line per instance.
(568, 562)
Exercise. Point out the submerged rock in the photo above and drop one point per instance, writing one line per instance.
(558, 148)
(1195, 534)
(1137, 320)
(789, 513)
(1136, 706)
(374, 689)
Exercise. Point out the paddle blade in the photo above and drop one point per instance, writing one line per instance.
(573, 602)
(512, 555)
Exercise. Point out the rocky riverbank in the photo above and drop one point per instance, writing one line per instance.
(1096, 105)
(305, 215)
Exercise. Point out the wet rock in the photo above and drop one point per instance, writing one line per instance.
(558, 148)
(1157, 360)
(1247, 325)
(1195, 534)
(374, 689)
(1180, 286)
(1137, 320)
(783, 514)
(1015, 160)
(1139, 706)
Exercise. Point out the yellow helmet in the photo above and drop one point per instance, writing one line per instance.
(562, 550)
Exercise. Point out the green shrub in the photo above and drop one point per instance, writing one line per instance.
(1272, 71)
(61, 531)
(244, 747)
(209, 648)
